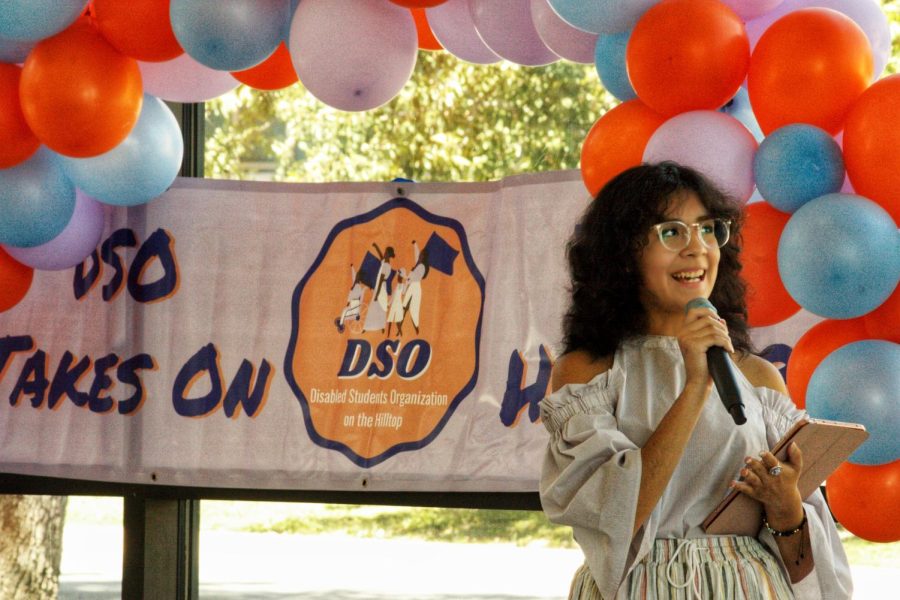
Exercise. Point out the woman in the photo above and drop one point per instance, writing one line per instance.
(641, 447)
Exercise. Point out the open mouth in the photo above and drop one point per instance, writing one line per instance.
(695, 276)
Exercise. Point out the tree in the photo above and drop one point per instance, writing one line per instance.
(30, 546)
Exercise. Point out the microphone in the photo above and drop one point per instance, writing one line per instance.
(722, 371)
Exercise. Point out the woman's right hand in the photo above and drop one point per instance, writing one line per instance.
(702, 329)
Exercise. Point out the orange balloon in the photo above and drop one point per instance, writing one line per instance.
(687, 55)
(871, 142)
(768, 302)
(866, 500)
(418, 3)
(15, 279)
(809, 66)
(883, 323)
(427, 41)
(616, 142)
(140, 29)
(80, 96)
(274, 73)
(811, 349)
(19, 142)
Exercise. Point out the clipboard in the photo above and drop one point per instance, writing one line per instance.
(824, 444)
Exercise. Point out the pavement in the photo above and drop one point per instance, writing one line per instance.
(271, 566)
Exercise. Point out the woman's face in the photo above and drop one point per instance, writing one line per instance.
(671, 279)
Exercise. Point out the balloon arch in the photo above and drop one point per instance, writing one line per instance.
(782, 97)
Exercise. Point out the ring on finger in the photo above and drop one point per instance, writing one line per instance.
(775, 471)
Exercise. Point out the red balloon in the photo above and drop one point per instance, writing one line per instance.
(883, 323)
(871, 142)
(427, 41)
(616, 142)
(687, 55)
(811, 349)
(15, 279)
(418, 3)
(138, 28)
(866, 500)
(19, 142)
(274, 73)
(809, 66)
(768, 302)
(79, 95)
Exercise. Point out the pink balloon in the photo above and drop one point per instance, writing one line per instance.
(750, 9)
(865, 13)
(712, 142)
(79, 238)
(183, 79)
(452, 25)
(561, 38)
(507, 29)
(353, 54)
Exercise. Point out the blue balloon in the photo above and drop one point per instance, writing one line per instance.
(229, 35)
(37, 19)
(601, 16)
(839, 256)
(609, 58)
(739, 108)
(14, 51)
(140, 168)
(859, 383)
(797, 163)
(36, 201)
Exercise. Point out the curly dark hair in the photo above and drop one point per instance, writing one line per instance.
(604, 252)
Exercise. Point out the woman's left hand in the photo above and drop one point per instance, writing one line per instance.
(777, 492)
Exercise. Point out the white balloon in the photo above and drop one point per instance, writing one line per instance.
(561, 38)
(507, 29)
(452, 25)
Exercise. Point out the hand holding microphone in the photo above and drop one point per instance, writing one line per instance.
(721, 370)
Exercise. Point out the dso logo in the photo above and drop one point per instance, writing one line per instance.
(386, 329)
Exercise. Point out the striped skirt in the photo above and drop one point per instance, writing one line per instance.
(720, 568)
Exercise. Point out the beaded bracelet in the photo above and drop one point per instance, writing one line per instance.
(787, 533)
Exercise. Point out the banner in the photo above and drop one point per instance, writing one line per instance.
(302, 336)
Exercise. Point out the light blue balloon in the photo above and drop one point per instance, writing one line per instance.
(36, 201)
(859, 383)
(140, 168)
(739, 108)
(609, 58)
(797, 163)
(229, 35)
(601, 16)
(37, 19)
(14, 51)
(839, 256)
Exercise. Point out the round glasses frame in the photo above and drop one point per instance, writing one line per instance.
(676, 235)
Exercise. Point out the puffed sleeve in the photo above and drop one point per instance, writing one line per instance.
(590, 478)
(830, 578)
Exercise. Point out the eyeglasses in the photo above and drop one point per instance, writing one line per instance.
(676, 235)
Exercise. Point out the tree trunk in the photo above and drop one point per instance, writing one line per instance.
(30, 546)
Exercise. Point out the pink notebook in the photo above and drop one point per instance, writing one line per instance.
(825, 445)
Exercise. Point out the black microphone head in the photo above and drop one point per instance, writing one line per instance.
(700, 303)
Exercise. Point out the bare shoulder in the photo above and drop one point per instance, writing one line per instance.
(577, 367)
(760, 372)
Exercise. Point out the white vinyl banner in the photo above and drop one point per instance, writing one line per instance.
(311, 336)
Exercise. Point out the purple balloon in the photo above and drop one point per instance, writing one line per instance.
(507, 29)
(561, 38)
(865, 13)
(183, 79)
(452, 25)
(353, 55)
(79, 238)
(714, 143)
(750, 9)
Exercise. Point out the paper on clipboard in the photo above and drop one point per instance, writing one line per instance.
(824, 444)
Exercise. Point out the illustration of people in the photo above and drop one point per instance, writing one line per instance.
(396, 312)
(376, 315)
(412, 300)
(354, 300)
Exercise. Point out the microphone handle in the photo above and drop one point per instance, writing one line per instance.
(722, 372)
